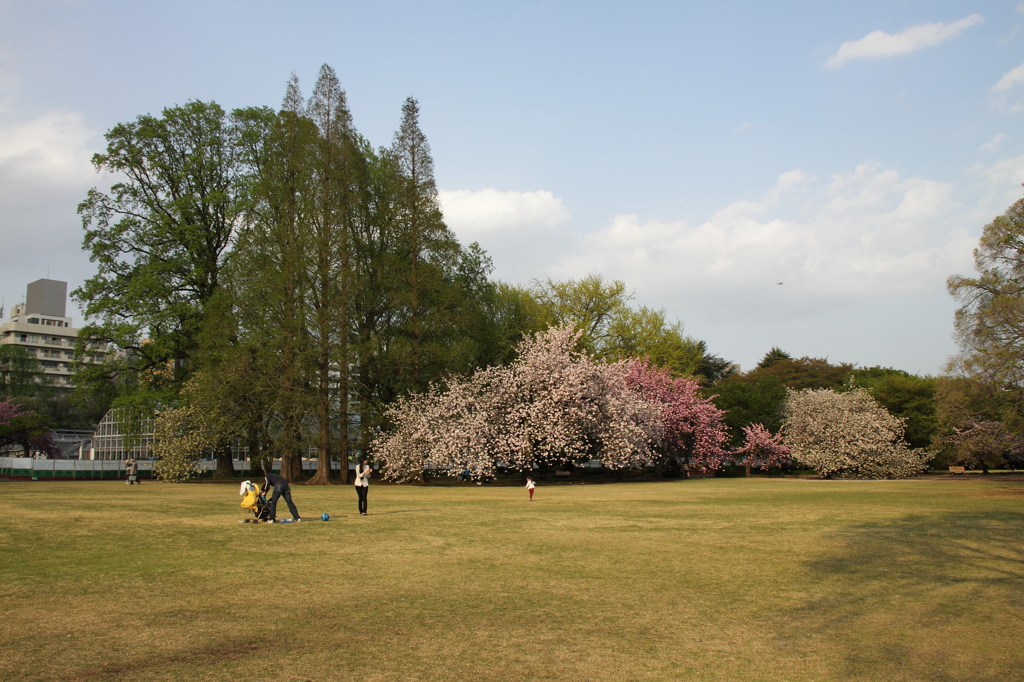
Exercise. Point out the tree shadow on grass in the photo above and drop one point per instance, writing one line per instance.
(925, 597)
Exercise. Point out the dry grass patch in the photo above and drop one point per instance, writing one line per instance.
(749, 579)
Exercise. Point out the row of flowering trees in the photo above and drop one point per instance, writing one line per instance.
(555, 406)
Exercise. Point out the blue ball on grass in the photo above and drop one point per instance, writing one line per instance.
(325, 516)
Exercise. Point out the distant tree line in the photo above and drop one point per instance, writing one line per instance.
(268, 277)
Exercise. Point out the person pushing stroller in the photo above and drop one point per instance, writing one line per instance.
(281, 489)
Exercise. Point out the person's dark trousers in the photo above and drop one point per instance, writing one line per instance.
(361, 490)
(286, 493)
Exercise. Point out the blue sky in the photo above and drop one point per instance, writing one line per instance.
(701, 152)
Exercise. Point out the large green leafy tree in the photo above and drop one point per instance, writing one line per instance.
(645, 332)
(611, 329)
(590, 304)
(806, 373)
(507, 313)
(987, 382)
(21, 374)
(904, 395)
(160, 239)
(749, 399)
(294, 273)
(26, 428)
(990, 320)
(759, 396)
(378, 367)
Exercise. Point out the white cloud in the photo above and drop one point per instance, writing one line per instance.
(995, 143)
(488, 210)
(45, 171)
(1002, 179)
(519, 230)
(1002, 90)
(864, 234)
(1002, 174)
(54, 146)
(863, 255)
(879, 44)
(1011, 78)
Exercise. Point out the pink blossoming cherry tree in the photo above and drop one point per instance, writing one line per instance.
(693, 432)
(761, 449)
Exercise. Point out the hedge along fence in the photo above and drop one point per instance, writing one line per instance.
(28, 468)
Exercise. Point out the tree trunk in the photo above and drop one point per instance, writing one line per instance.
(323, 469)
(291, 451)
(343, 388)
(746, 465)
(225, 465)
(343, 445)
(323, 459)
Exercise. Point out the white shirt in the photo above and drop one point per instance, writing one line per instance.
(363, 475)
(529, 484)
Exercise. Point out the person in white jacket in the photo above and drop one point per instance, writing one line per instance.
(530, 485)
(363, 471)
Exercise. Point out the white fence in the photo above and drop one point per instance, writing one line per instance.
(28, 467)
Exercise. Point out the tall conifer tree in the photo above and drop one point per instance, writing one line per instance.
(338, 170)
(272, 284)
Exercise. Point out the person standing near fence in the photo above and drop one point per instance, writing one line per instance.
(363, 471)
(131, 471)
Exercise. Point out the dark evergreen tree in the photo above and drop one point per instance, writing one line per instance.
(773, 356)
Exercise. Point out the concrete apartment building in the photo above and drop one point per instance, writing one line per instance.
(40, 325)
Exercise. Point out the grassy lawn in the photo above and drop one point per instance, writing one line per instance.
(745, 579)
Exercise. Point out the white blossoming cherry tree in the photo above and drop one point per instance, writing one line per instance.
(848, 434)
(553, 406)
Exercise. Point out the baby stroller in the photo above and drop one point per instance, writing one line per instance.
(255, 501)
